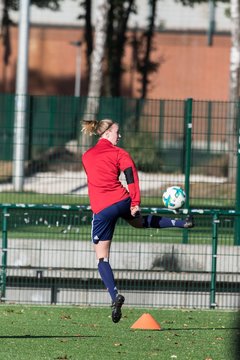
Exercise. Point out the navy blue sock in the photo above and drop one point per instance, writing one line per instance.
(153, 221)
(167, 222)
(106, 274)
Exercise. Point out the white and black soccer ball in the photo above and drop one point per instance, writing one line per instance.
(174, 197)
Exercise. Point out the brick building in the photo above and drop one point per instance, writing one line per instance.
(188, 66)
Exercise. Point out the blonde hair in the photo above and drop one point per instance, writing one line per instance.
(95, 127)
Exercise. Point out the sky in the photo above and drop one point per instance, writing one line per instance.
(171, 15)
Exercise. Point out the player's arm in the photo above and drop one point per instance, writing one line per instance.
(129, 175)
(129, 169)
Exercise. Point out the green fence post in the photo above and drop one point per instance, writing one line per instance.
(161, 123)
(209, 126)
(187, 162)
(237, 204)
(214, 260)
(4, 253)
(51, 139)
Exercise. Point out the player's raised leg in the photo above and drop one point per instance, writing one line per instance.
(157, 222)
(173, 198)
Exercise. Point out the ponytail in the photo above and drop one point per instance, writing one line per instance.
(89, 127)
(94, 127)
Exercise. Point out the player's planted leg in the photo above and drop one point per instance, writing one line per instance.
(106, 274)
(116, 308)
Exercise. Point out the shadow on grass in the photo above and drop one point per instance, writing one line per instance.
(197, 329)
(47, 336)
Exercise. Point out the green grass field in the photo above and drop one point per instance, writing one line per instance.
(146, 201)
(70, 229)
(64, 333)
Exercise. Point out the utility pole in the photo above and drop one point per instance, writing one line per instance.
(19, 138)
(77, 88)
(211, 26)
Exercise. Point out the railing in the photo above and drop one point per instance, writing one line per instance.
(154, 265)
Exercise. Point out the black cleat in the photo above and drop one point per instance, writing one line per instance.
(189, 222)
(116, 308)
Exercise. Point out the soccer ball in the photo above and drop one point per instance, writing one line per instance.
(174, 197)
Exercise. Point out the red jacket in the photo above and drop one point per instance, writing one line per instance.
(103, 164)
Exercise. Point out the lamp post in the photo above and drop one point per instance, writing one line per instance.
(77, 87)
(19, 138)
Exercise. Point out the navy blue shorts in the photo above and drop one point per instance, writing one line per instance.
(103, 223)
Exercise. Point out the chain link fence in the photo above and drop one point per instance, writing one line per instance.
(47, 255)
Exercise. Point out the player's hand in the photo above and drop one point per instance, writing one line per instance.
(135, 210)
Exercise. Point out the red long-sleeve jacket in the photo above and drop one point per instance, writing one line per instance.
(103, 164)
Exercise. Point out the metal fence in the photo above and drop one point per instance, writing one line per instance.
(186, 142)
(46, 252)
(47, 258)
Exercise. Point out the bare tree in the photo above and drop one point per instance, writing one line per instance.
(234, 83)
(96, 72)
(88, 33)
(145, 66)
(117, 38)
(233, 87)
(5, 33)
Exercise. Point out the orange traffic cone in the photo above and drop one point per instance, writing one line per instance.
(146, 322)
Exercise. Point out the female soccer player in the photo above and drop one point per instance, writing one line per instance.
(110, 200)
